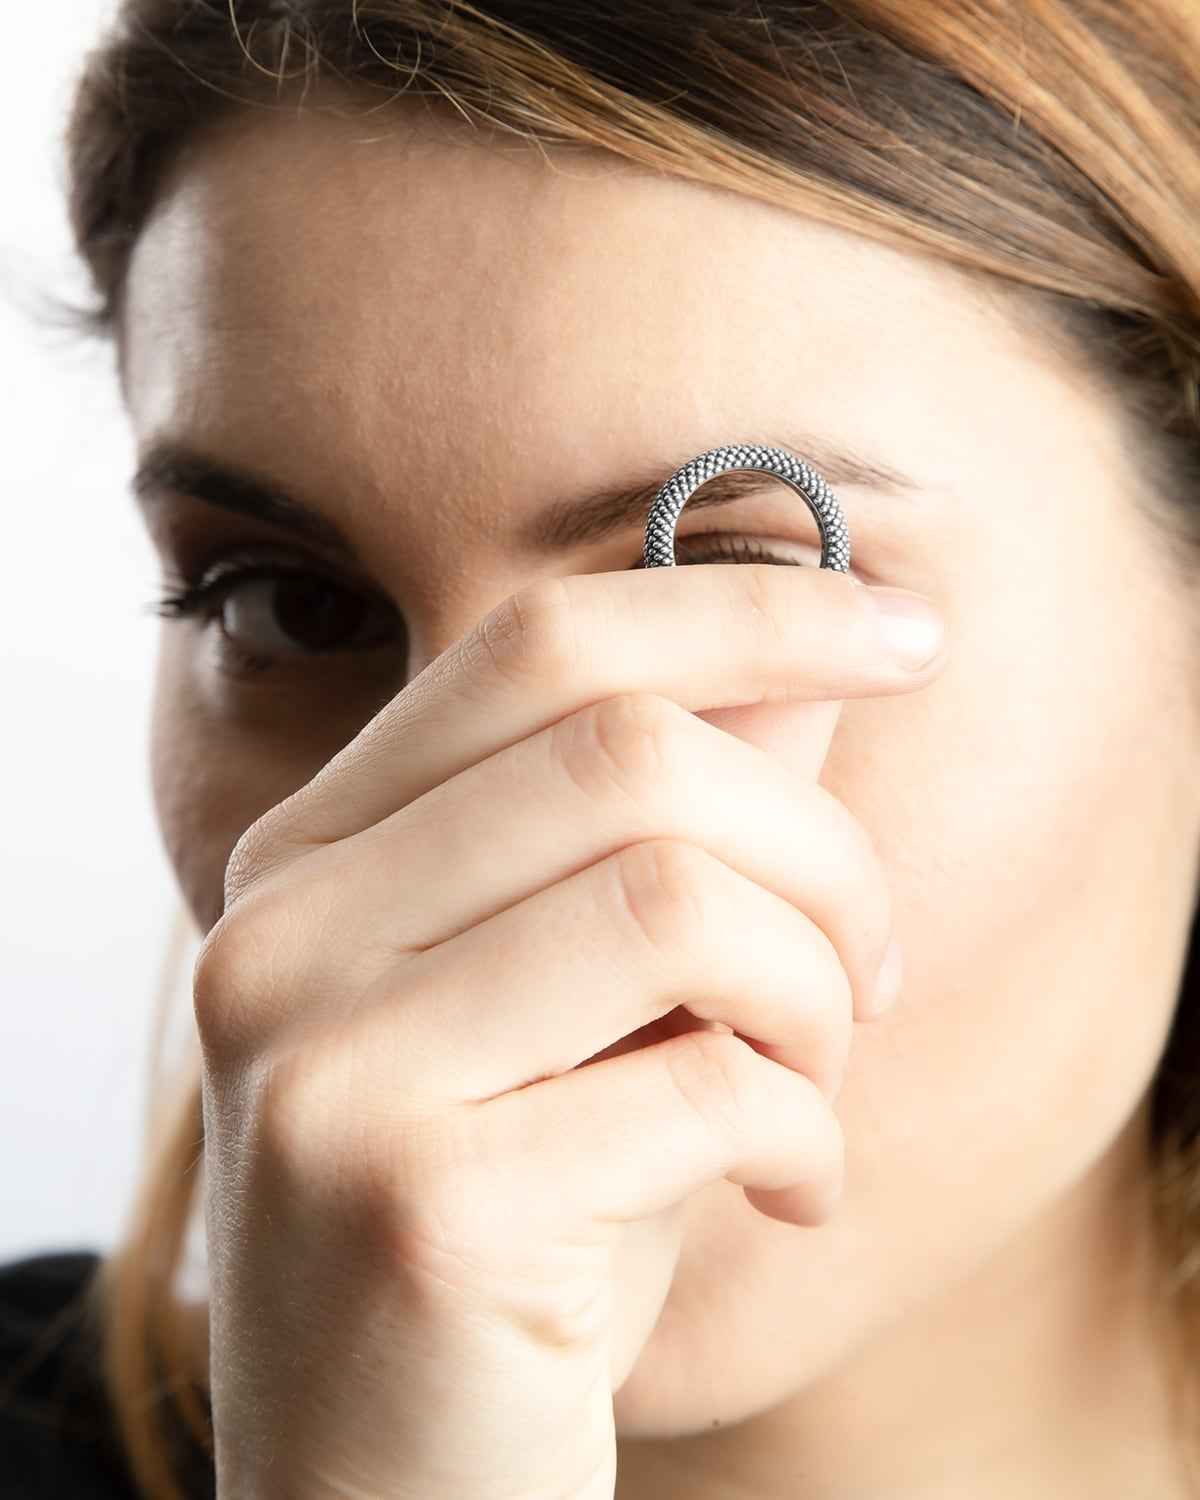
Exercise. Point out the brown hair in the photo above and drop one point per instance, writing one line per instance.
(1051, 143)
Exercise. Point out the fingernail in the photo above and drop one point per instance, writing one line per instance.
(891, 977)
(910, 626)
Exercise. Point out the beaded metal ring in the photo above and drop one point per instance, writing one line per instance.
(658, 548)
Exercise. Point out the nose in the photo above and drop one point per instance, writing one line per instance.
(448, 607)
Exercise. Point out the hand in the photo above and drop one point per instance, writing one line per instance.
(537, 956)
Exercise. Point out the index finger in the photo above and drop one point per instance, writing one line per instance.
(708, 637)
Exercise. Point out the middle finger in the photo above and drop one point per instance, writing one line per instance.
(627, 770)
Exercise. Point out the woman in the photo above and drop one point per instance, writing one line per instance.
(712, 1031)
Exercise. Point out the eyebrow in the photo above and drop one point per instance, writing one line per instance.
(569, 523)
(170, 467)
(560, 526)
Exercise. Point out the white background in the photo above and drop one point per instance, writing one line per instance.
(89, 901)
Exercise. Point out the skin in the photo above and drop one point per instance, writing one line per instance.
(432, 335)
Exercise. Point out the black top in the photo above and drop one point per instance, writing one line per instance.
(57, 1432)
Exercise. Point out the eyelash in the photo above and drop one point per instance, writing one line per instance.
(204, 596)
(193, 599)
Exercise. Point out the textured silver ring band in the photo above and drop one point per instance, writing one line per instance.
(658, 548)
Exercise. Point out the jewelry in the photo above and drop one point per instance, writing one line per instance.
(658, 548)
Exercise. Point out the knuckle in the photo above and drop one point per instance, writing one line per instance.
(318, 1114)
(291, 1106)
(532, 635)
(444, 1242)
(245, 863)
(666, 892)
(436, 1198)
(258, 852)
(560, 1313)
(714, 1075)
(442, 1190)
(771, 617)
(243, 962)
(632, 742)
(225, 976)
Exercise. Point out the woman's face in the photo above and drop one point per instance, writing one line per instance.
(430, 336)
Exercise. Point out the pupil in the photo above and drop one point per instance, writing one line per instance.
(315, 615)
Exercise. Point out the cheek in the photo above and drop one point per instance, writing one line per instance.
(201, 794)
(217, 768)
(1037, 815)
(1036, 811)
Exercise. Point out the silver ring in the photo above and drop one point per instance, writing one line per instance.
(658, 548)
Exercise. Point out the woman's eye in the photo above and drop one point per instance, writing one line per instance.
(266, 613)
(729, 549)
(290, 612)
(272, 615)
(724, 547)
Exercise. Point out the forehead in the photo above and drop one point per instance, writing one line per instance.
(416, 304)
